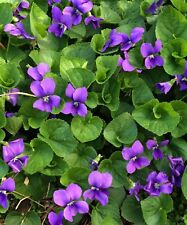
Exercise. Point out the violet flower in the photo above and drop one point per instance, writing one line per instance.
(153, 145)
(177, 170)
(77, 104)
(60, 22)
(181, 79)
(158, 183)
(12, 154)
(13, 98)
(7, 185)
(74, 14)
(9, 114)
(135, 190)
(17, 30)
(164, 87)
(38, 72)
(125, 64)
(129, 41)
(51, 2)
(94, 21)
(115, 39)
(154, 7)
(70, 200)
(45, 91)
(100, 183)
(132, 154)
(55, 218)
(150, 53)
(83, 6)
(23, 5)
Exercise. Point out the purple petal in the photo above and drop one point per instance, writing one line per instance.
(33, 72)
(162, 177)
(69, 109)
(127, 66)
(13, 98)
(24, 160)
(61, 198)
(141, 162)
(74, 192)
(151, 176)
(151, 144)
(70, 212)
(106, 180)
(55, 218)
(54, 101)
(89, 194)
(159, 61)
(146, 49)
(131, 167)
(56, 29)
(150, 63)
(137, 147)
(56, 14)
(83, 6)
(13, 149)
(3, 200)
(136, 34)
(43, 68)
(164, 87)
(8, 185)
(101, 197)
(12, 29)
(16, 165)
(69, 91)
(95, 179)
(82, 207)
(48, 85)
(166, 188)
(80, 95)
(158, 46)
(164, 143)
(41, 105)
(36, 89)
(75, 15)
(82, 110)
(157, 154)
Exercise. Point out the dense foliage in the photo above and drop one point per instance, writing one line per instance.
(93, 112)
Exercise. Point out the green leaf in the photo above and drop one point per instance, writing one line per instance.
(135, 58)
(4, 169)
(178, 148)
(121, 130)
(92, 100)
(184, 184)
(106, 66)
(57, 134)
(7, 78)
(6, 11)
(40, 156)
(78, 31)
(181, 108)
(39, 21)
(131, 211)
(159, 118)
(13, 124)
(2, 122)
(86, 129)
(155, 209)
(164, 30)
(15, 55)
(174, 54)
(80, 77)
(108, 14)
(16, 218)
(76, 175)
(181, 5)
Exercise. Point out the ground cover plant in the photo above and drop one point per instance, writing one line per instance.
(93, 112)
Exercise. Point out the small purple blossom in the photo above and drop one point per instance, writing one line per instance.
(125, 64)
(153, 145)
(94, 21)
(13, 98)
(45, 91)
(38, 72)
(60, 22)
(7, 185)
(134, 191)
(70, 200)
(17, 30)
(23, 5)
(51, 2)
(77, 105)
(177, 170)
(100, 183)
(9, 114)
(55, 218)
(181, 79)
(74, 14)
(12, 154)
(164, 87)
(154, 7)
(158, 183)
(150, 53)
(132, 154)
(129, 41)
(83, 6)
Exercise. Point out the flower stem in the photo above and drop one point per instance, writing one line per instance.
(18, 93)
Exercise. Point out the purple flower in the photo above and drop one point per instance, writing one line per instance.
(158, 183)
(12, 154)
(55, 218)
(153, 145)
(77, 105)
(51, 2)
(154, 7)
(100, 183)
(70, 200)
(130, 41)
(177, 169)
(94, 21)
(9, 114)
(164, 87)
(125, 64)
(23, 5)
(17, 30)
(150, 53)
(115, 38)
(83, 6)
(135, 190)
(74, 14)
(12, 98)
(181, 79)
(60, 22)
(45, 91)
(7, 185)
(136, 162)
(38, 72)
